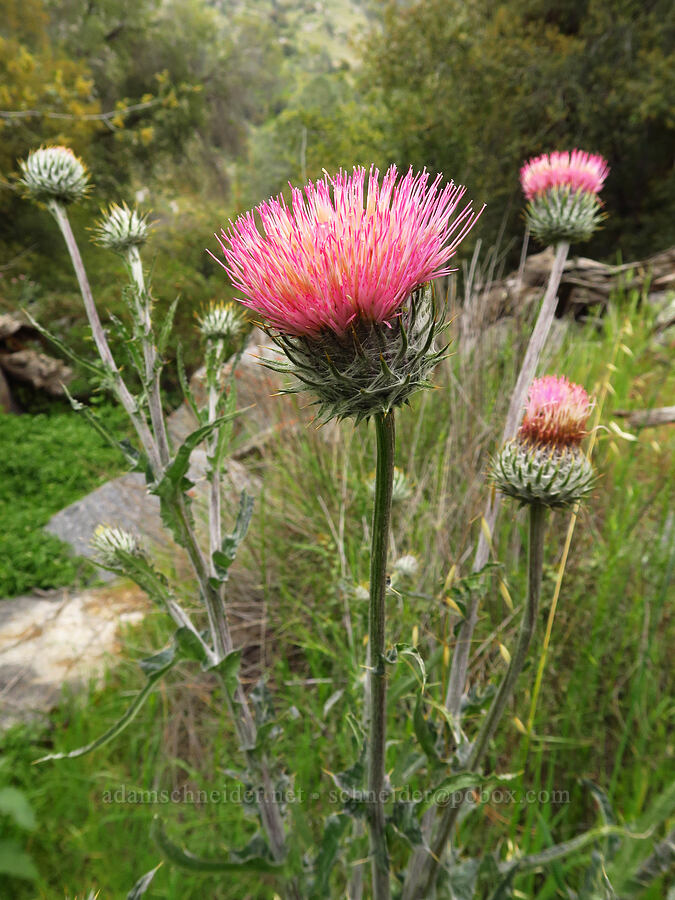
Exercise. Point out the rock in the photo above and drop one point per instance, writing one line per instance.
(7, 403)
(125, 502)
(23, 363)
(58, 639)
(37, 369)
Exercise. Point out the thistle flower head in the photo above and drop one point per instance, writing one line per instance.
(120, 228)
(540, 473)
(54, 173)
(221, 322)
(341, 252)
(545, 464)
(556, 413)
(110, 542)
(578, 170)
(562, 190)
(341, 277)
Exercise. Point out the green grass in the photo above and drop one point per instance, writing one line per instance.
(48, 461)
(604, 713)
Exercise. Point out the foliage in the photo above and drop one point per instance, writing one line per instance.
(473, 90)
(49, 461)
(173, 107)
(17, 816)
(618, 739)
(36, 75)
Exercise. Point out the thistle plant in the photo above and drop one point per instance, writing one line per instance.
(544, 468)
(113, 544)
(340, 279)
(121, 228)
(53, 175)
(546, 181)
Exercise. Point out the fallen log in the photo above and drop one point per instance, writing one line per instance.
(645, 418)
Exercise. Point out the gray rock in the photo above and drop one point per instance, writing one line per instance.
(62, 638)
(123, 502)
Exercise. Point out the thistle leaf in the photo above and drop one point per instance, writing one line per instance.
(187, 860)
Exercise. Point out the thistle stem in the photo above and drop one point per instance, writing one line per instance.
(460, 660)
(152, 370)
(155, 444)
(527, 626)
(386, 441)
(602, 397)
(459, 666)
(126, 399)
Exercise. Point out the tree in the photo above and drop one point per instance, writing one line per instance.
(473, 90)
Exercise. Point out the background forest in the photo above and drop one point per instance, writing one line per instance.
(201, 110)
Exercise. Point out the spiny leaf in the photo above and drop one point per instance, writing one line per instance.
(333, 830)
(165, 330)
(409, 654)
(135, 459)
(142, 884)
(187, 860)
(228, 668)
(223, 558)
(404, 822)
(94, 368)
(154, 667)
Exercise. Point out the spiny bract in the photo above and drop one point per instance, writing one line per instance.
(542, 474)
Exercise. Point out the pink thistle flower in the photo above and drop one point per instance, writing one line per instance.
(580, 170)
(341, 253)
(556, 414)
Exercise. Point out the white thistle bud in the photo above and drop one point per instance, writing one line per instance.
(400, 489)
(406, 566)
(109, 542)
(120, 228)
(221, 322)
(54, 173)
(361, 592)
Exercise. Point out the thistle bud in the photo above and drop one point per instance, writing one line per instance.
(400, 487)
(222, 322)
(121, 228)
(54, 173)
(406, 566)
(562, 190)
(534, 473)
(545, 464)
(110, 543)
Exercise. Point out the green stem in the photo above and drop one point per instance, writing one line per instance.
(527, 626)
(460, 659)
(386, 441)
